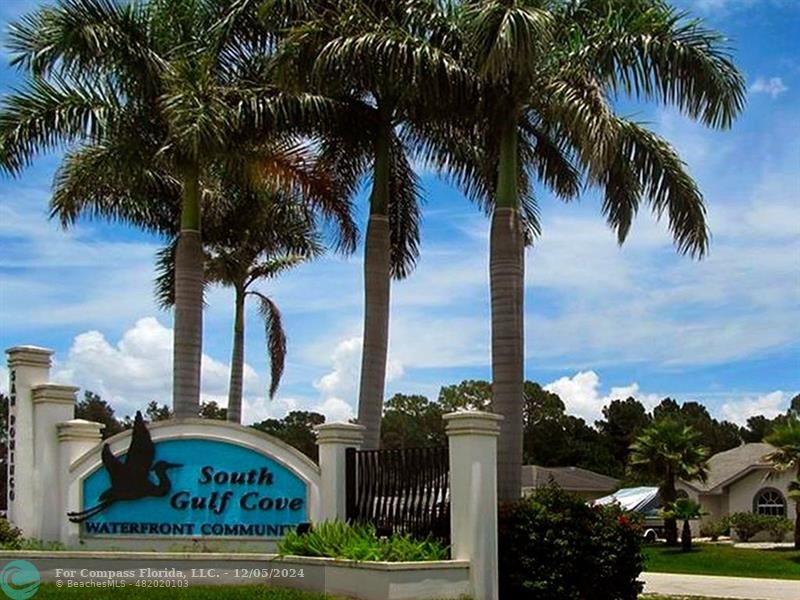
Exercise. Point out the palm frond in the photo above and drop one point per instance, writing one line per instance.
(661, 177)
(652, 51)
(164, 284)
(46, 115)
(276, 339)
(82, 39)
(404, 214)
(116, 180)
(507, 39)
(273, 266)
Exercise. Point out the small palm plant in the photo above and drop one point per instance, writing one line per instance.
(684, 509)
(786, 439)
(669, 450)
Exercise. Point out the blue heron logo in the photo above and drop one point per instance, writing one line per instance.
(19, 580)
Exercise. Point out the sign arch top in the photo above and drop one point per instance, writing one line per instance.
(194, 478)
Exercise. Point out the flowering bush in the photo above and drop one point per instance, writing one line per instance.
(554, 546)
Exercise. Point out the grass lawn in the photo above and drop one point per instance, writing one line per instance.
(722, 559)
(652, 597)
(197, 592)
(48, 591)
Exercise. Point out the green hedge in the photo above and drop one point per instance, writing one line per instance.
(746, 525)
(554, 546)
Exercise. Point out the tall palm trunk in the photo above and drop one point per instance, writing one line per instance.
(237, 359)
(686, 536)
(668, 496)
(188, 331)
(506, 280)
(376, 300)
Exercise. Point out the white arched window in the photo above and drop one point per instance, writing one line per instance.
(769, 501)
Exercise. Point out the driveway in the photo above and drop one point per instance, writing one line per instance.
(720, 587)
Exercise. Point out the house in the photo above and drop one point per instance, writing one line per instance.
(742, 480)
(586, 484)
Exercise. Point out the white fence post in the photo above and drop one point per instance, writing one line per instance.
(75, 438)
(473, 496)
(28, 366)
(333, 440)
(52, 404)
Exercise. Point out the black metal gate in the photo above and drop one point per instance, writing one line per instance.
(400, 491)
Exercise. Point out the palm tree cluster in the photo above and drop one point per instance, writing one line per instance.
(217, 122)
(786, 457)
(670, 451)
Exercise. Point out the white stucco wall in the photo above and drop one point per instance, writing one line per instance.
(742, 492)
(739, 496)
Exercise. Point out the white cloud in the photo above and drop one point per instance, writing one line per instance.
(770, 405)
(772, 86)
(339, 387)
(582, 397)
(138, 368)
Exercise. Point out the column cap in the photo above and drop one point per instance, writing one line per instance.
(472, 422)
(340, 433)
(79, 429)
(54, 393)
(29, 356)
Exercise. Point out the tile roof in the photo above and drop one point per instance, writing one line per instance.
(572, 479)
(726, 467)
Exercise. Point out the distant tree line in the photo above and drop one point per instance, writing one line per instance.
(551, 436)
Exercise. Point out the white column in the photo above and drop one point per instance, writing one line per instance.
(473, 496)
(28, 366)
(75, 438)
(333, 439)
(52, 404)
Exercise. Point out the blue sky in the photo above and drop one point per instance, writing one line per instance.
(601, 321)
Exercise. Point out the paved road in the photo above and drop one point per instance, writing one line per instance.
(721, 587)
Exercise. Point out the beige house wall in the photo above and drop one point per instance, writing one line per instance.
(742, 492)
(739, 496)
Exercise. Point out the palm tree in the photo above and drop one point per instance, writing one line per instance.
(258, 235)
(669, 450)
(157, 92)
(383, 59)
(545, 74)
(786, 439)
(684, 509)
(251, 232)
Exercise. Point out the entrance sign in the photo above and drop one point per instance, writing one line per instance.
(193, 479)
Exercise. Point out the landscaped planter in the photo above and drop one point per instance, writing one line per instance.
(385, 580)
(362, 580)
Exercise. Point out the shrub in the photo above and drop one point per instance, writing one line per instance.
(713, 529)
(337, 539)
(554, 546)
(746, 525)
(778, 527)
(10, 536)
